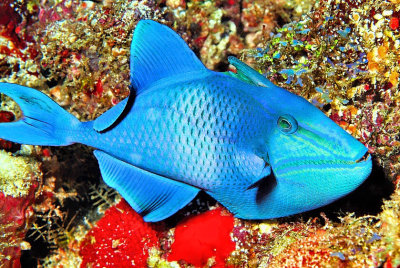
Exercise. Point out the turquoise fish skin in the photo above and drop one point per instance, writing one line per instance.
(258, 149)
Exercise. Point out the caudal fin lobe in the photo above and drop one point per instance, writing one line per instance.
(43, 122)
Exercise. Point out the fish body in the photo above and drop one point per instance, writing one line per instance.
(197, 130)
(258, 149)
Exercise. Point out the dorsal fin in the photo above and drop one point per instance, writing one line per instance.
(248, 74)
(158, 52)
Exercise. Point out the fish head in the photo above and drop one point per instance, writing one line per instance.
(313, 159)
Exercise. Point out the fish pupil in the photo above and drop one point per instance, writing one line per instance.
(284, 124)
(287, 124)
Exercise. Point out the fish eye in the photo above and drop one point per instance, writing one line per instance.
(287, 124)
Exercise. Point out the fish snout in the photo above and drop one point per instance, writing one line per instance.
(349, 148)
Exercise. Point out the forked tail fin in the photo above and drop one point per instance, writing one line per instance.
(43, 122)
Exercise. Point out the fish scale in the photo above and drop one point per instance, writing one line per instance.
(177, 122)
(256, 148)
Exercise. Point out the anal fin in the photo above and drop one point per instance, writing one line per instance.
(151, 195)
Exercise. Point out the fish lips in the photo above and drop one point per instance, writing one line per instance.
(365, 156)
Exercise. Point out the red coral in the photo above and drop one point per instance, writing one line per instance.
(335, 117)
(9, 20)
(50, 13)
(6, 116)
(98, 88)
(120, 239)
(394, 23)
(14, 23)
(14, 214)
(202, 237)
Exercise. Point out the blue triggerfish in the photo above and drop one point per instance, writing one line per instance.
(259, 150)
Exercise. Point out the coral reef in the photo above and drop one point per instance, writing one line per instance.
(88, 51)
(18, 49)
(343, 57)
(14, 222)
(19, 178)
(217, 29)
(352, 243)
(77, 50)
(17, 174)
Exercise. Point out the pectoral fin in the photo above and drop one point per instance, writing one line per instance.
(111, 117)
(254, 202)
(248, 74)
(153, 196)
(258, 181)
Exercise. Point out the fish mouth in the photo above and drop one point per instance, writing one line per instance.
(364, 158)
